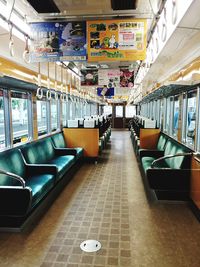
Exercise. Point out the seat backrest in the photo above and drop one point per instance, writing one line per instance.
(38, 152)
(161, 141)
(72, 123)
(89, 124)
(11, 161)
(172, 148)
(58, 140)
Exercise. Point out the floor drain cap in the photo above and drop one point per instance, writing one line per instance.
(90, 245)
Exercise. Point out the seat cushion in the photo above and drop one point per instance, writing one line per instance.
(40, 185)
(63, 163)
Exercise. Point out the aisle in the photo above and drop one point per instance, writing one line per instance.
(107, 202)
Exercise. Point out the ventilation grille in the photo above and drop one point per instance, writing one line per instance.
(47, 6)
(123, 4)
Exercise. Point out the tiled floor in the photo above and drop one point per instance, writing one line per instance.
(107, 202)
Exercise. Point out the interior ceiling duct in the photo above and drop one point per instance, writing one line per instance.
(123, 4)
(47, 6)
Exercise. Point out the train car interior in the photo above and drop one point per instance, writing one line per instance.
(99, 133)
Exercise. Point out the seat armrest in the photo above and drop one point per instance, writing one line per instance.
(41, 169)
(65, 151)
(151, 153)
(153, 165)
(14, 176)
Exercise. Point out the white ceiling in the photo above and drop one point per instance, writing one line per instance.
(180, 50)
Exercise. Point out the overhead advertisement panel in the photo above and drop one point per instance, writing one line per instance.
(114, 40)
(89, 77)
(58, 41)
(109, 77)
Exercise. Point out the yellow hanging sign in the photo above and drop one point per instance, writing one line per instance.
(117, 40)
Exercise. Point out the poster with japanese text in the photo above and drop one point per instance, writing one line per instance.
(109, 77)
(113, 40)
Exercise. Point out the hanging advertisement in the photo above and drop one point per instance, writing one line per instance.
(105, 91)
(89, 77)
(109, 77)
(113, 40)
(126, 78)
(58, 41)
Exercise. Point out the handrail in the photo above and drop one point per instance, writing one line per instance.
(172, 156)
(15, 176)
(26, 53)
(39, 93)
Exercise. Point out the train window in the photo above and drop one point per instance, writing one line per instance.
(19, 103)
(191, 118)
(84, 109)
(107, 110)
(150, 110)
(64, 113)
(168, 117)
(76, 105)
(130, 111)
(119, 111)
(2, 128)
(54, 114)
(42, 117)
(93, 109)
(175, 117)
(161, 107)
(88, 109)
(70, 110)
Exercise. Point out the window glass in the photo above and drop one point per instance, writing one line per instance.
(107, 110)
(167, 117)
(161, 106)
(191, 118)
(64, 113)
(19, 103)
(119, 111)
(176, 117)
(54, 114)
(88, 109)
(2, 127)
(130, 111)
(42, 117)
(77, 109)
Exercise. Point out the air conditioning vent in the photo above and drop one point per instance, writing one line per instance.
(47, 6)
(123, 4)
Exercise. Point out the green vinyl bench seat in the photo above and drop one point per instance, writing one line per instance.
(31, 176)
(43, 152)
(60, 143)
(19, 197)
(158, 151)
(169, 175)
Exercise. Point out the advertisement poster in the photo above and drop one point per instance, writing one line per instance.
(106, 92)
(126, 78)
(113, 40)
(89, 77)
(58, 41)
(109, 77)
